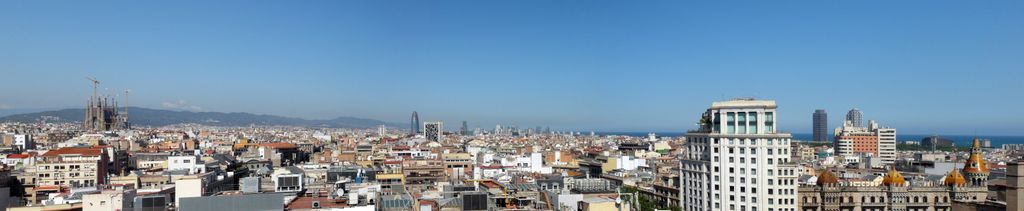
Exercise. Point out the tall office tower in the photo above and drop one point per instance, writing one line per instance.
(736, 160)
(464, 130)
(874, 139)
(432, 130)
(820, 125)
(886, 142)
(414, 124)
(854, 116)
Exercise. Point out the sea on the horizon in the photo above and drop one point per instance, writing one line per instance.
(960, 140)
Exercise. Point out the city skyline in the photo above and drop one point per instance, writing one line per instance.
(345, 59)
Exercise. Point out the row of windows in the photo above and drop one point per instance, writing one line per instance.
(754, 160)
(753, 150)
(879, 199)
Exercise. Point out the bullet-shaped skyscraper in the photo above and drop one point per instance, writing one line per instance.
(820, 125)
(414, 123)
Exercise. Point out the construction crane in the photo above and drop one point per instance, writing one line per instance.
(504, 191)
(94, 84)
(126, 126)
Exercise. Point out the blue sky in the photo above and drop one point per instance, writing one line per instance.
(945, 67)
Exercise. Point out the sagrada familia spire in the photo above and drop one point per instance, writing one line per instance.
(101, 112)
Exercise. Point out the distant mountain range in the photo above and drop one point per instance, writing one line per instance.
(156, 117)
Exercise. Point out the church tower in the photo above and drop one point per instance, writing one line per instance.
(975, 170)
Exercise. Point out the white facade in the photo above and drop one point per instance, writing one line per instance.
(738, 161)
(886, 144)
(532, 163)
(629, 163)
(24, 142)
(190, 163)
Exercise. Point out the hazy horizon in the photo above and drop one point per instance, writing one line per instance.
(919, 66)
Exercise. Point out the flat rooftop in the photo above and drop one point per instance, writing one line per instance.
(744, 103)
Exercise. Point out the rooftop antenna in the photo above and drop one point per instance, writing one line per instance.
(94, 84)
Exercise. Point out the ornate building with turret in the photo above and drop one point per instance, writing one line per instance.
(968, 185)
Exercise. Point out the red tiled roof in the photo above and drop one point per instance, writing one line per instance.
(492, 167)
(86, 151)
(279, 145)
(47, 187)
(306, 202)
(19, 156)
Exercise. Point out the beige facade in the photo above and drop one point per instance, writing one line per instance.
(69, 167)
(856, 198)
(115, 199)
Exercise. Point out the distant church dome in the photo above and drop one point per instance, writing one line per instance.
(893, 178)
(954, 178)
(827, 178)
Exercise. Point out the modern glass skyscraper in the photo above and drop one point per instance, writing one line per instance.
(737, 160)
(820, 125)
(854, 116)
(414, 124)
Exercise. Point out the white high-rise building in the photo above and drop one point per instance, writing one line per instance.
(874, 141)
(737, 160)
